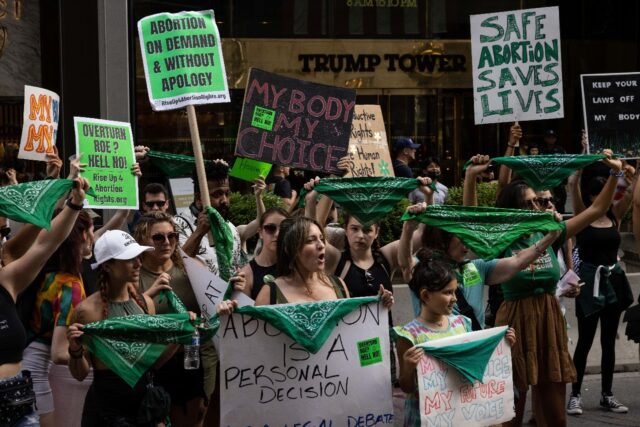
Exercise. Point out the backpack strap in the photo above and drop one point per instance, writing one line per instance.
(345, 269)
(466, 310)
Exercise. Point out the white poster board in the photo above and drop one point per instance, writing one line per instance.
(182, 193)
(208, 288)
(277, 382)
(447, 398)
(40, 123)
(517, 68)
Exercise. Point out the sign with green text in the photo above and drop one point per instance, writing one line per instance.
(182, 57)
(107, 150)
(517, 69)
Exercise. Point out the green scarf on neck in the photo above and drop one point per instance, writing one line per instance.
(486, 231)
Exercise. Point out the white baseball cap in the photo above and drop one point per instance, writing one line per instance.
(116, 244)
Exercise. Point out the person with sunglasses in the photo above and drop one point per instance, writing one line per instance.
(264, 263)
(155, 198)
(541, 355)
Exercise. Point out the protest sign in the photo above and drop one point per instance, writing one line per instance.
(249, 169)
(208, 288)
(611, 114)
(448, 398)
(295, 123)
(182, 193)
(517, 70)
(40, 125)
(368, 146)
(345, 383)
(182, 57)
(107, 149)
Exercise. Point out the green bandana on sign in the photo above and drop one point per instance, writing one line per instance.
(470, 358)
(547, 171)
(33, 202)
(174, 165)
(486, 231)
(368, 199)
(130, 345)
(308, 324)
(223, 243)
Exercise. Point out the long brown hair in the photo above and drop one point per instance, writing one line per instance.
(143, 229)
(68, 256)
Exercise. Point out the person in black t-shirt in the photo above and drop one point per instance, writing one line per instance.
(404, 151)
(280, 186)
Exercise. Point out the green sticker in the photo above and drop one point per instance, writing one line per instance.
(369, 352)
(470, 275)
(263, 118)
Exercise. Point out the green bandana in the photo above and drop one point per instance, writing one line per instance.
(486, 231)
(130, 345)
(308, 324)
(469, 359)
(223, 243)
(33, 202)
(173, 300)
(173, 165)
(546, 171)
(368, 199)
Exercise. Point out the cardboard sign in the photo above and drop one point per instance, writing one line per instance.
(517, 70)
(249, 169)
(107, 149)
(295, 123)
(447, 398)
(368, 146)
(208, 288)
(611, 114)
(279, 383)
(182, 193)
(40, 125)
(182, 57)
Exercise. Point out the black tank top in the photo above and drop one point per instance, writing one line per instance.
(599, 246)
(361, 284)
(258, 276)
(13, 337)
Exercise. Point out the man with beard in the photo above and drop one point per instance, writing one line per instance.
(194, 223)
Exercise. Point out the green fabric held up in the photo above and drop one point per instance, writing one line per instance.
(130, 345)
(223, 243)
(486, 231)
(308, 324)
(368, 199)
(33, 202)
(469, 359)
(173, 165)
(546, 171)
(175, 303)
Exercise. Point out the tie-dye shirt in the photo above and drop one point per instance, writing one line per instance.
(417, 332)
(58, 296)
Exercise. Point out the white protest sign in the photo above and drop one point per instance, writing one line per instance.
(40, 124)
(447, 398)
(208, 288)
(517, 69)
(277, 382)
(182, 192)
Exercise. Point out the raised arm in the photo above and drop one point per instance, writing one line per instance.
(479, 164)
(247, 231)
(407, 241)
(636, 215)
(620, 209)
(504, 173)
(601, 204)
(16, 247)
(576, 193)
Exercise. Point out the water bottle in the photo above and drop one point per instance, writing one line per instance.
(192, 352)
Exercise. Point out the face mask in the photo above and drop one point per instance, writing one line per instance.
(433, 175)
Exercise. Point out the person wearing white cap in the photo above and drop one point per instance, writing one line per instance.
(118, 263)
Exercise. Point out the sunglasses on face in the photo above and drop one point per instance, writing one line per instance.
(160, 238)
(158, 203)
(544, 201)
(270, 228)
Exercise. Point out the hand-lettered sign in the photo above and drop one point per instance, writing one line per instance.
(517, 70)
(182, 57)
(40, 125)
(295, 123)
(249, 169)
(368, 146)
(277, 382)
(447, 398)
(107, 149)
(208, 288)
(611, 104)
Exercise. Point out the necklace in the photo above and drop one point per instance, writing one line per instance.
(439, 324)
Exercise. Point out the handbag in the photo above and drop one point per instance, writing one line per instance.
(16, 398)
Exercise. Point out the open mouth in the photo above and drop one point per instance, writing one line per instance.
(321, 257)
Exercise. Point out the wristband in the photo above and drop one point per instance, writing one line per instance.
(74, 206)
(614, 173)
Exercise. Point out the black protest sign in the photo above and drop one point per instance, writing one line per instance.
(295, 123)
(611, 104)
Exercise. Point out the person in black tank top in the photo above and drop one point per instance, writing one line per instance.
(598, 246)
(265, 262)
